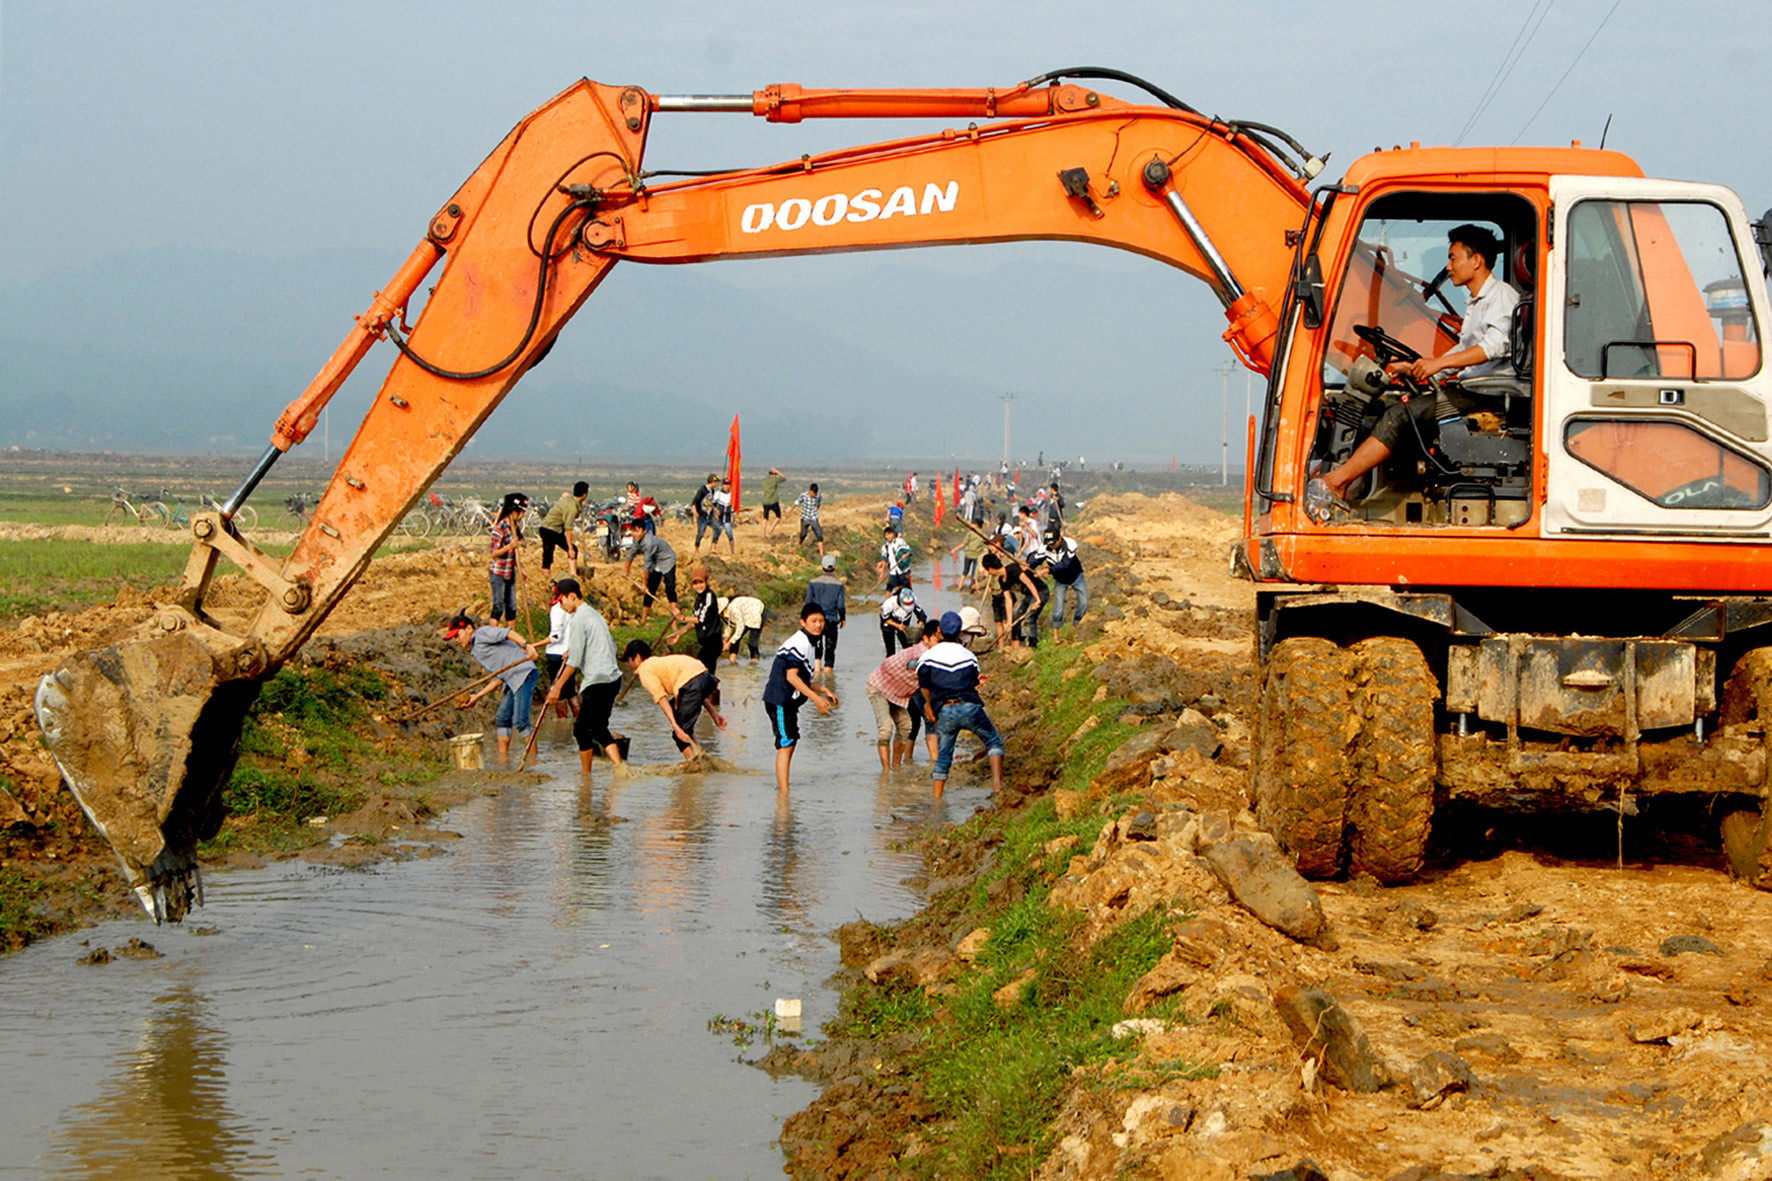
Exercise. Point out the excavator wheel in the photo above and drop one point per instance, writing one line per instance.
(1303, 756)
(1747, 700)
(1394, 767)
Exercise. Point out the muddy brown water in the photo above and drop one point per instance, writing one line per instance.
(532, 1002)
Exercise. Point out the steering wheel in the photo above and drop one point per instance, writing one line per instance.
(1386, 347)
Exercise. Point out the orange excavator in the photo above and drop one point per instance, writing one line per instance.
(1552, 599)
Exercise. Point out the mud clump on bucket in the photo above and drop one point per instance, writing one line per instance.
(465, 751)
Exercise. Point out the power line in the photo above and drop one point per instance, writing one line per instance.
(1505, 71)
(1570, 70)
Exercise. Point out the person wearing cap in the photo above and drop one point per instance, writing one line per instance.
(790, 686)
(705, 617)
(502, 569)
(900, 616)
(682, 686)
(659, 562)
(744, 623)
(894, 566)
(893, 693)
(590, 655)
(500, 650)
(832, 597)
(948, 675)
(769, 496)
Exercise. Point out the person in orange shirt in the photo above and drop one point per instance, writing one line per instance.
(682, 686)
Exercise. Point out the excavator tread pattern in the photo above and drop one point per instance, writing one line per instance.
(1747, 837)
(1392, 806)
(1304, 757)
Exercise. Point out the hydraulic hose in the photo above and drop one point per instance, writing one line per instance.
(541, 295)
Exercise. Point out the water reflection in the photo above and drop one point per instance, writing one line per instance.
(164, 1111)
(670, 871)
(779, 896)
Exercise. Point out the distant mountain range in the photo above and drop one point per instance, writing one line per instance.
(845, 358)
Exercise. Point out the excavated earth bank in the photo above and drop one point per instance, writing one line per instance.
(1525, 1009)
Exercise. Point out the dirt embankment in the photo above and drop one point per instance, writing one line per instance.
(1514, 1013)
(56, 872)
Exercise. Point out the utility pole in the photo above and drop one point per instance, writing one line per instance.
(1224, 475)
(1007, 398)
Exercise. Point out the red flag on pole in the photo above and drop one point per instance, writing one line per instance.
(734, 458)
(940, 508)
(956, 487)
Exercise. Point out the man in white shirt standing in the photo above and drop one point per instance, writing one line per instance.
(1484, 347)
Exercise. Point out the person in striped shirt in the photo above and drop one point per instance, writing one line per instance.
(949, 676)
(891, 686)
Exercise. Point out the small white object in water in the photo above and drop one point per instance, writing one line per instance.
(787, 1006)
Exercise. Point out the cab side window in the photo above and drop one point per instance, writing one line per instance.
(1655, 289)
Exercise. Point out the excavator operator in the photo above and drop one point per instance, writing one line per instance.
(1483, 347)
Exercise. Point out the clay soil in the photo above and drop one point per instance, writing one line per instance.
(1612, 1022)
(1591, 1020)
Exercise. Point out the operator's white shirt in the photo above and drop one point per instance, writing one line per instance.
(1488, 321)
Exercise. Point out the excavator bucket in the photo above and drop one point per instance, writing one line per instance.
(146, 733)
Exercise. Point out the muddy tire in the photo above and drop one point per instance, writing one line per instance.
(1395, 760)
(1304, 751)
(1747, 700)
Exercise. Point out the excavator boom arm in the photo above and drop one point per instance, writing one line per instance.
(145, 731)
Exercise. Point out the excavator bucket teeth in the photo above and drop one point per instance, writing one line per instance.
(145, 734)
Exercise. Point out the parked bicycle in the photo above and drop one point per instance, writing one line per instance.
(144, 510)
(297, 511)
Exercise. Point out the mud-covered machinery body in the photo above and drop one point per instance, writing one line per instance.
(1555, 593)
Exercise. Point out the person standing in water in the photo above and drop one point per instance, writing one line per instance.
(790, 686)
(590, 654)
(948, 674)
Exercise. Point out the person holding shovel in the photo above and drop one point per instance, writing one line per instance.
(590, 654)
(508, 652)
(659, 563)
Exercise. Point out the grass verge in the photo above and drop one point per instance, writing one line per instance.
(304, 753)
(996, 1069)
(49, 574)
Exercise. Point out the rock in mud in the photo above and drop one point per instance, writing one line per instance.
(1129, 767)
(11, 811)
(1265, 884)
(1675, 945)
(973, 943)
(1068, 804)
(1489, 1045)
(97, 955)
(1665, 1025)
(860, 942)
(1744, 1154)
(1304, 1170)
(1013, 993)
(1437, 1076)
(1331, 1034)
(1168, 976)
(137, 949)
(1194, 731)
(909, 969)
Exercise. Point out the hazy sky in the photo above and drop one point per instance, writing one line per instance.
(284, 129)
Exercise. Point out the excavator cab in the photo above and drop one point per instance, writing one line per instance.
(1469, 464)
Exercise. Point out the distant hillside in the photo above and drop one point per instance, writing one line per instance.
(177, 350)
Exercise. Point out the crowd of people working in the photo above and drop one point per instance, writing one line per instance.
(1015, 558)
